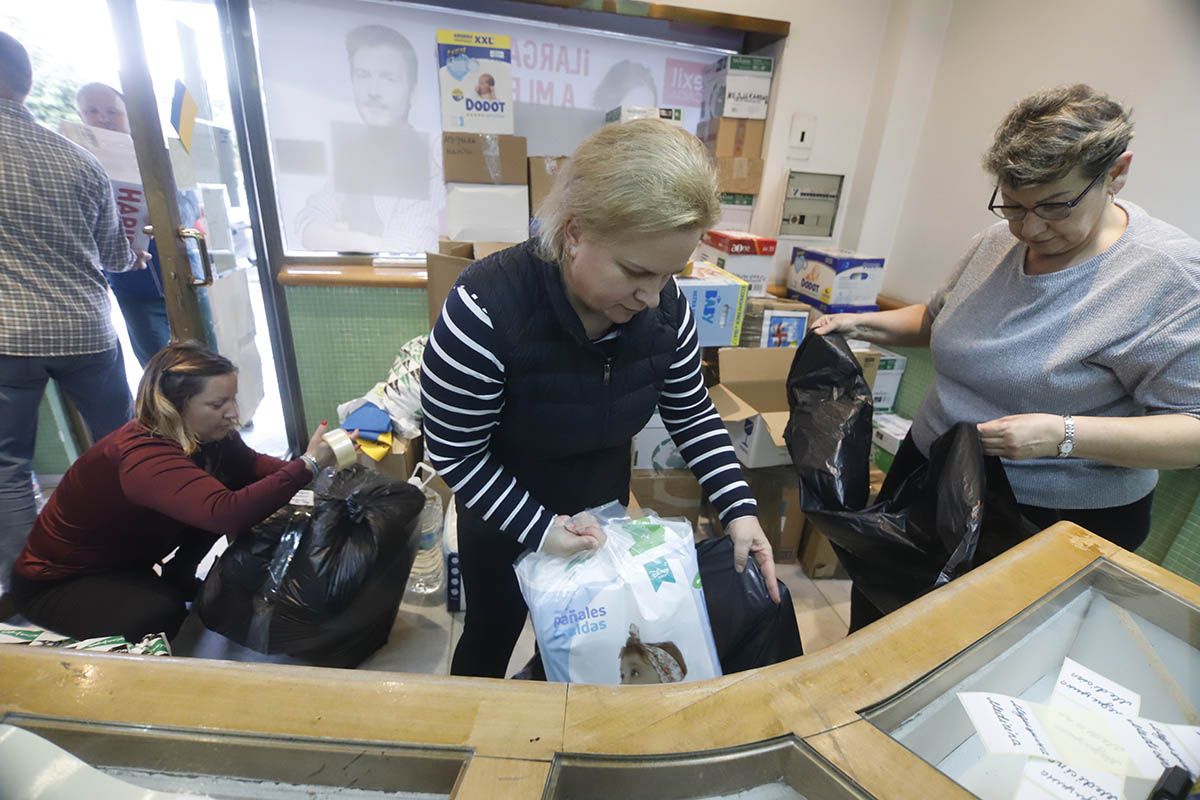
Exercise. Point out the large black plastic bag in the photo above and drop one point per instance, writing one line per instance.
(939, 522)
(322, 584)
(750, 630)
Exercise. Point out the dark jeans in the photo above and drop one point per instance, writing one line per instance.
(96, 384)
(496, 611)
(1126, 526)
(133, 603)
(146, 322)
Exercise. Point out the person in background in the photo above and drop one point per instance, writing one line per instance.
(550, 356)
(1069, 332)
(176, 476)
(59, 232)
(139, 293)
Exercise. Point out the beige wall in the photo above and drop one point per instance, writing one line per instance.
(908, 92)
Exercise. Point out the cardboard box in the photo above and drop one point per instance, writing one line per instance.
(401, 461)
(739, 175)
(736, 212)
(726, 137)
(749, 257)
(718, 302)
(480, 212)
(887, 381)
(475, 81)
(673, 493)
(484, 158)
(779, 513)
(835, 280)
(752, 400)
(817, 557)
(654, 449)
(887, 434)
(756, 309)
(737, 86)
(542, 172)
(628, 113)
(441, 273)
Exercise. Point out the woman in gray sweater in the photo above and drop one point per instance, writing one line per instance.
(1070, 333)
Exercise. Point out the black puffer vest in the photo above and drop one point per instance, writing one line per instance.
(570, 410)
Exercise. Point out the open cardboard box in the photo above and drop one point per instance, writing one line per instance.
(752, 400)
(443, 268)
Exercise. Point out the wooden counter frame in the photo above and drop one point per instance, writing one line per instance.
(514, 728)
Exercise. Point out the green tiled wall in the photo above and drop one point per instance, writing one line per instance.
(1174, 540)
(346, 339)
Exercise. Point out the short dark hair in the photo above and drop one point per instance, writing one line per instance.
(383, 36)
(16, 71)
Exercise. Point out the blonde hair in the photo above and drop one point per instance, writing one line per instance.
(1050, 133)
(173, 376)
(644, 176)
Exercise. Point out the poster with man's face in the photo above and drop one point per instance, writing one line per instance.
(352, 103)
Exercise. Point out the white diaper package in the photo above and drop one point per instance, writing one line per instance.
(631, 612)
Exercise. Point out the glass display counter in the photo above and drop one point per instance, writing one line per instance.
(785, 769)
(1091, 692)
(198, 763)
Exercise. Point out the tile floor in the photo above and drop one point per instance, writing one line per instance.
(423, 637)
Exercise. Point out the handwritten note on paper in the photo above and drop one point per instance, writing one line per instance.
(1054, 780)
(1081, 686)
(1189, 737)
(1006, 724)
(1083, 738)
(1153, 746)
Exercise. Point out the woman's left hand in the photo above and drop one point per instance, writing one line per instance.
(749, 540)
(1022, 436)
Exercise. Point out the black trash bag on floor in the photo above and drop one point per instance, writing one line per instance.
(748, 628)
(947, 517)
(324, 583)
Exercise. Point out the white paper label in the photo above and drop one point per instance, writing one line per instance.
(1054, 780)
(1153, 746)
(1006, 725)
(1081, 686)
(304, 497)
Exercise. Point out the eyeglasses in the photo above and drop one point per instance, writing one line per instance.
(1043, 210)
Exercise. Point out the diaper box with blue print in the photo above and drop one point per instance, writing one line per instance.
(835, 280)
(475, 79)
(718, 302)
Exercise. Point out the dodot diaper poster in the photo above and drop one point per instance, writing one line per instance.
(475, 78)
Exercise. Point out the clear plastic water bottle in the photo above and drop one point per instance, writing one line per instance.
(39, 499)
(427, 579)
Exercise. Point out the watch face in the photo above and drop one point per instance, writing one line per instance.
(1065, 448)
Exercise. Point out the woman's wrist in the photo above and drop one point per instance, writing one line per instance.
(311, 463)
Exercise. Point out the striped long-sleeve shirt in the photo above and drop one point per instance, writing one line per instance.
(462, 396)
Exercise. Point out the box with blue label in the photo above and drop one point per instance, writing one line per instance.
(835, 280)
(475, 79)
(718, 302)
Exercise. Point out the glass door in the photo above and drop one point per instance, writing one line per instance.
(175, 90)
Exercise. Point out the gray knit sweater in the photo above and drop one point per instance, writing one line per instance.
(1115, 336)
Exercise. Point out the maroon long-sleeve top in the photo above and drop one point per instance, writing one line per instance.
(133, 497)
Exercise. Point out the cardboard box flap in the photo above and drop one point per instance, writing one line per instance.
(741, 365)
(729, 406)
(484, 158)
(777, 424)
(441, 273)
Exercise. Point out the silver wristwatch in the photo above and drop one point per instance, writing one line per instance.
(1068, 443)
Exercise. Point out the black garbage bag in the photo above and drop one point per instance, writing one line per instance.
(324, 583)
(942, 520)
(748, 628)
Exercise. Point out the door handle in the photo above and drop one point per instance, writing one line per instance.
(198, 237)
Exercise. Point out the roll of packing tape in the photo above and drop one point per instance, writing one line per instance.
(343, 447)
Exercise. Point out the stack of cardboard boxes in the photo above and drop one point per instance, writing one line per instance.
(733, 120)
(487, 197)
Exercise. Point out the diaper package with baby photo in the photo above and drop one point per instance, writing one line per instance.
(631, 612)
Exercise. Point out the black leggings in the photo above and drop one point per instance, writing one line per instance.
(1126, 526)
(496, 610)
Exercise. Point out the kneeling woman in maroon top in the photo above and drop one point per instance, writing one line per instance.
(177, 476)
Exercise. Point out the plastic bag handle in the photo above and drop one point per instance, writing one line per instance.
(416, 479)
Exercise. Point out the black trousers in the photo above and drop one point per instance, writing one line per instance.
(132, 603)
(496, 611)
(1126, 526)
